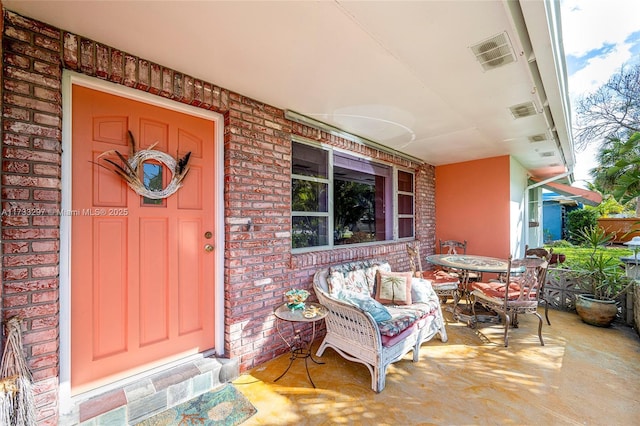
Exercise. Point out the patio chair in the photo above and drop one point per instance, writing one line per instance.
(455, 247)
(541, 253)
(444, 284)
(516, 295)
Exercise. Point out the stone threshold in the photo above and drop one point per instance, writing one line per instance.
(151, 394)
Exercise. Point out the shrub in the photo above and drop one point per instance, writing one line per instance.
(580, 219)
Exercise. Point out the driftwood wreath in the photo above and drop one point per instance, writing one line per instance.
(132, 171)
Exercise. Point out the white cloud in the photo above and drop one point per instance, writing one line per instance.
(589, 25)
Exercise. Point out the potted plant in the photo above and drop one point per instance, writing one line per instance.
(601, 276)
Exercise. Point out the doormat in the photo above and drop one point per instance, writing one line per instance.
(224, 407)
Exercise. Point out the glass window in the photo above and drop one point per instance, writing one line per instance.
(406, 198)
(348, 197)
(309, 196)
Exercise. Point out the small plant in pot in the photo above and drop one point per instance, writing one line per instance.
(601, 276)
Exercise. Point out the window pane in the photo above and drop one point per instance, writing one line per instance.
(307, 196)
(355, 206)
(405, 204)
(309, 161)
(309, 231)
(152, 179)
(405, 181)
(405, 227)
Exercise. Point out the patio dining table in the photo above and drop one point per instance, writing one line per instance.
(472, 263)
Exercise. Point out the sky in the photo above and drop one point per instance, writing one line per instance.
(599, 36)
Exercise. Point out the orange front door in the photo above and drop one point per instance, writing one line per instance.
(142, 282)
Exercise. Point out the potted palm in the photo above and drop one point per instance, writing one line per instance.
(601, 276)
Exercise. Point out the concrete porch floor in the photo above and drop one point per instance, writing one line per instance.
(584, 375)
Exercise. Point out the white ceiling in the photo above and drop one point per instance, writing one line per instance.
(401, 74)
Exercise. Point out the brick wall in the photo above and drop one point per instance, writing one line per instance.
(259, 265)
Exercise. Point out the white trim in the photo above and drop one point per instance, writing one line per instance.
(70, 78)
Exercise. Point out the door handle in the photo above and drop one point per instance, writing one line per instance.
(208, 248)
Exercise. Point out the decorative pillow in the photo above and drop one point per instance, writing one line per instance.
(366, 303)
(394, 287)
(336, 282)
(355, 281)
(372, 274)
(421, 291)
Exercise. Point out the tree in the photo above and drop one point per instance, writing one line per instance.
(618, 170)
(611, 111)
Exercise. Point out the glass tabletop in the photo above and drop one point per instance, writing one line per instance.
(470, 262)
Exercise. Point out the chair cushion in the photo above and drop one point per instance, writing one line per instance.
(367, 303)
(441, 280)
(394, 287)
(497, 289)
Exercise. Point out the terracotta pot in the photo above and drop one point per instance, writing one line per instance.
(557, 258)
(596, 312)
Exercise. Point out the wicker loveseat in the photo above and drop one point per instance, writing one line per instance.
(357, 330)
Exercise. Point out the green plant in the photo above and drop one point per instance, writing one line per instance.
(578, 220)
(600, 273)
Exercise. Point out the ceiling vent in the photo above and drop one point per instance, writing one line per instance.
(526, 109)
(537, 138)
(547, 154)
(494, 52)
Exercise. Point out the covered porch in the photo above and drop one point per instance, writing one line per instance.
(583, 375)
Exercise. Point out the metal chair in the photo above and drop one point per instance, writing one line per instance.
(541, 253)
(516, 295)
(444, 284)
(458, 247)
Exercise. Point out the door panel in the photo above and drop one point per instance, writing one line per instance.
(142, 284)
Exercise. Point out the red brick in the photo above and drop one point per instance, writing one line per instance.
(19, 247)
(46, 322)
(31, 129)
(16, 140)
(22, 286)
(31, 51)
(87, 56)
(47, 94)
(51, 70)
(44, 348)
(117, 66)
(29, 259)
(28, 234)
(17, 86)
(46, 170)
(44, 246)
(14, 274)
(30, 155)
(70, 50)
(130, 65)
(44, 271)
(28, 181)
(48, 42)
(17, 33)
(46, 220)
(144, 79)
(45, 373)
(46, 361)
(44, 297)
(47, 119)
(15, 193)
(35, 78)
(33, 103)
(14, 301)
(17, 113)
(17, 60)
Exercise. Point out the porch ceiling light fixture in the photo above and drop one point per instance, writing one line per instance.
(494, 52)
(132, 170)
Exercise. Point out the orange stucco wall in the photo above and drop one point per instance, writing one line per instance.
(473, 203)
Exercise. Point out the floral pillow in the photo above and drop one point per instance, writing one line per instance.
(354, 281)
(394, 287)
